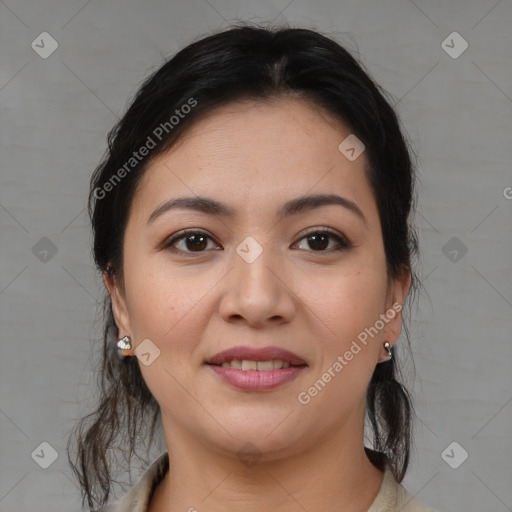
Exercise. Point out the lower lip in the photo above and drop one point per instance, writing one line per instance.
(255, 380)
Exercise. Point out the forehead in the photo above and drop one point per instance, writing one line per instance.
(256, 154)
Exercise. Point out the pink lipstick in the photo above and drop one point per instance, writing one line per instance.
(256, 369)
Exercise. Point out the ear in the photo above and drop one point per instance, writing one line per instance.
(397, 291)
(119, 306)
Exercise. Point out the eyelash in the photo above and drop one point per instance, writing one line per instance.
(343, 243)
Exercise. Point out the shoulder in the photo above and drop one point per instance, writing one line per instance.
(393, 497)
(137, 498)
(405, 502)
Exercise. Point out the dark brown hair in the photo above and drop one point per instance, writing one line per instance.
(242, 62)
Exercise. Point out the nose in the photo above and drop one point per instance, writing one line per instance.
(258, 293)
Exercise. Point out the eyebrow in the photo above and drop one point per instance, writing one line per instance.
(293, 207)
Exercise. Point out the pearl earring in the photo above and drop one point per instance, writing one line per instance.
(389, 355)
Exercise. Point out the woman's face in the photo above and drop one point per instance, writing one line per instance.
(258, 279)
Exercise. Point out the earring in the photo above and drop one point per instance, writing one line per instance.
(387, 357)
(124, 344)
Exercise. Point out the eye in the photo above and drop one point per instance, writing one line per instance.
(194, 241)
(318, 239)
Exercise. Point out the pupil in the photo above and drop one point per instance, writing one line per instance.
(324, 238)
(197, 241)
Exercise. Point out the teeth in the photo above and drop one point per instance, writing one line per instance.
(256, 365)
(264, 365)
(249, 365)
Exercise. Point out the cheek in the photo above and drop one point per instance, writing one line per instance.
(166, 309)
(161, 303)
(349, 300)
(343, 309)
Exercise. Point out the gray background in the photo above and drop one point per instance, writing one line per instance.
(55, 113)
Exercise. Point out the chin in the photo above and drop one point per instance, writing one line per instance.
(267, 437)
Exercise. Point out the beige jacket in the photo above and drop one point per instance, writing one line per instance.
(392, 497)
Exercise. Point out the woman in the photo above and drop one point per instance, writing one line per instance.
(251, 225)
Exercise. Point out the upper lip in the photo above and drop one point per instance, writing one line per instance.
(256, 354)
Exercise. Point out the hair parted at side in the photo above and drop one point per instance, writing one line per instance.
(242, 62)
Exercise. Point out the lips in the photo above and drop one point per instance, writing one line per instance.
(270, 353)
(256, 369)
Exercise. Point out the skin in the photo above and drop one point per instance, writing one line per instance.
(254, 156)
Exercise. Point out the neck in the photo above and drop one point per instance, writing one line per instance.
(335, 475)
